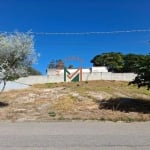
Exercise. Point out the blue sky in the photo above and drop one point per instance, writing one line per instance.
(79, 16)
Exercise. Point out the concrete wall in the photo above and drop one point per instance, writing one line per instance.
(88, 70)
(99, 69)
(85, 76)
(109, 76)
(27, 81)
(12, 85)
(41, 79)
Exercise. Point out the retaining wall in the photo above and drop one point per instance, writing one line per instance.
(30, 80)
(85, 76)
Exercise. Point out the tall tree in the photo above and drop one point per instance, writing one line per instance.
(131, 62)
(113, 61)
(17, 54)
(143, 73)
(56, 64)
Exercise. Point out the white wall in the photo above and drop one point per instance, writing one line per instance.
(41, 79)
(99, 69)
(13, 85)
(85, 76)
(109, 76)
(87, 70)
(27, 81)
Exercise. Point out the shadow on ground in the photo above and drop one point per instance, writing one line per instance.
(126, 105)
(3, 104)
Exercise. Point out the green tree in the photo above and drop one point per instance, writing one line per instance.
(113, 61)
(131, 62)
(33, 71)
(143, 73)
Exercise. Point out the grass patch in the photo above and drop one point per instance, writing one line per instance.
(61, 117)
(65, 103)
(52, 114)
(46, 85)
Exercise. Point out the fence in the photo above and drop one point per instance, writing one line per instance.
(85, 76)
(25, 82)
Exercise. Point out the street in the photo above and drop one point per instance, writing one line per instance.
(76, 135)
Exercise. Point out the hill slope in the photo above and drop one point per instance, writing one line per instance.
(94, 100)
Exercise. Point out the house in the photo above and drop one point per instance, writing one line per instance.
(90, 70)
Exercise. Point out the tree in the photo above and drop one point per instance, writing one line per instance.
(17, 54)
(131, 62)
(33, 71)
(59, 64)
(70, 67)
(113, 61)
(143, 73)
(52, 65)
(56, 64)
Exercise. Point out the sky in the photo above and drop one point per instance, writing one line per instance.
(79, 16)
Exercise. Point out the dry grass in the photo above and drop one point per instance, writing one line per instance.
(94, 100)
(65, 104)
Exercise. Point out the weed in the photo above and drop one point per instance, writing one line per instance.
(102, 119)
(76, 118)
(61, 117)
(52, 114)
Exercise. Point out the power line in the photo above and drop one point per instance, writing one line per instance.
(81, 33)
(89, 33)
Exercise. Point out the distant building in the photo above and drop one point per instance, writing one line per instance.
(90, 70)
(99, 69)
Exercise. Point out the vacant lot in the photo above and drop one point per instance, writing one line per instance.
(94, 100)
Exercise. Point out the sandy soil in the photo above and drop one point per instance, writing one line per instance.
(96, 100)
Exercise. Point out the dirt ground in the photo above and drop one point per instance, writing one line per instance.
(94, 100)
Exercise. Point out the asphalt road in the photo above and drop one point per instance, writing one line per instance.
(75, 136)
